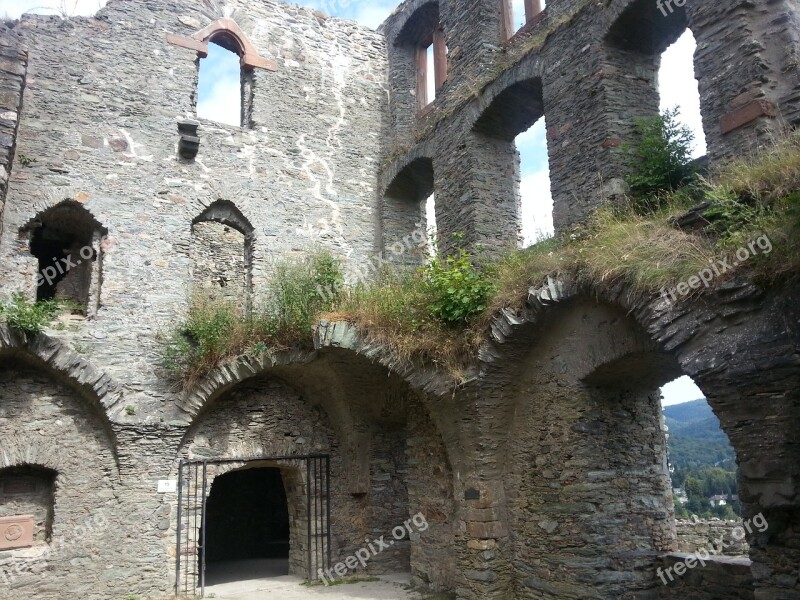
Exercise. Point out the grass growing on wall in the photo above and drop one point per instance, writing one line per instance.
(439, 314)
(30, 317)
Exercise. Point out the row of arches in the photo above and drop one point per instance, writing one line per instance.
(514, 135)
(564, 442)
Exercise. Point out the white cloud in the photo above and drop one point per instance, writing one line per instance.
(537, 207)
(678, 86)
(15, 8)
(681, 390)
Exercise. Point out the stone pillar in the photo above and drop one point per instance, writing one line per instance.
(13, 70)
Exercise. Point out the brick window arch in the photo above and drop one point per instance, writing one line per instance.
(227, 34)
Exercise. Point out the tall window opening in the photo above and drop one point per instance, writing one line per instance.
(67, 242)
(221, 252)
(224, 87)
(702, 462)
(678, 87)
(431, 66)
(536, 199)
(423, 50)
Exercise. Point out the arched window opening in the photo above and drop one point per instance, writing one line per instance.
(516, 14)
(27, 500)
(224, 88)
(221, 253)
(430, 226)
(409, 214)
(512, 133)
(67, 242)
(678, 87)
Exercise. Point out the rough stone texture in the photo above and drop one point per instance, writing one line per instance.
(13, 70)
(721, 577)
(698, 535)
(542, 473)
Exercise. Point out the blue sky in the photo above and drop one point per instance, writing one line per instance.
(220, 98)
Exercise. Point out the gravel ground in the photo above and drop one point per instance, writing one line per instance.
(290, 588)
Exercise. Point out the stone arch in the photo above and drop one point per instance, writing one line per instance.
(55, 357)
(734, 349)
(222, 243)
(49, 423)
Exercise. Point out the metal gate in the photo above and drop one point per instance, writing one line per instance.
(194, 484)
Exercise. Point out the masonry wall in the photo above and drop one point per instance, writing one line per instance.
(590, 502)
(14, 63)
(706, 535)
(104, 132)
(46, 424)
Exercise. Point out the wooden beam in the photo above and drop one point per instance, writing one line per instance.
(439, 57)
(507, 18)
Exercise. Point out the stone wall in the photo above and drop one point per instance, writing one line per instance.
(720, 535)
(719, 577)
(13, 69)
(103, 132)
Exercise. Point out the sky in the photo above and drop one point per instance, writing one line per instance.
(220, 101)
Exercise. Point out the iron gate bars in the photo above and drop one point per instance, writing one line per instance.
(194, 487)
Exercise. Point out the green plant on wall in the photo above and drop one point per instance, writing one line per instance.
(30, 317)
(458, 290)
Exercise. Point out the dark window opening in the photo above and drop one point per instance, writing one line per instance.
(66, 240)
(247, 523)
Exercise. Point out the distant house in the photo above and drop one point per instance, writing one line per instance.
(680, 495)
(718, 500)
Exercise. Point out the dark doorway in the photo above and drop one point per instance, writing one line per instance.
(247, 522)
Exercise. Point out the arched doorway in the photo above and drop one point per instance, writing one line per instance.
(247, 526)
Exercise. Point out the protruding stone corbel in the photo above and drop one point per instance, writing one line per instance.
(189, 142)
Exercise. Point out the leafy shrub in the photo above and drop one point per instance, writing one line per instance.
(457, 289)
(30, 317)
(660, 160)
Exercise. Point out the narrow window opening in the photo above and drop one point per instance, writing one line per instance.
(223, 85)
(536, 198)
(678, 87)
(431, 67)
(430, 226)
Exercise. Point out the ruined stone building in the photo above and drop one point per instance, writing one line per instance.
(543, 475)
